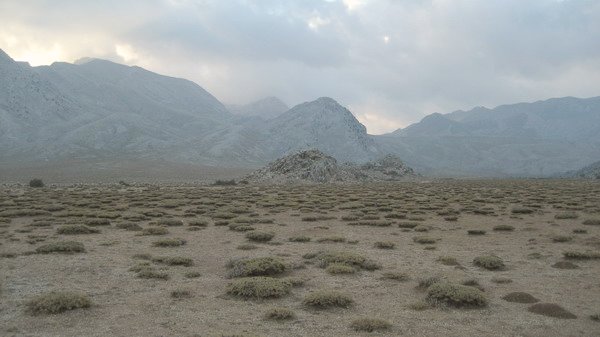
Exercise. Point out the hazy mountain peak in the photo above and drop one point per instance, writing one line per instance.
(84, 60)
(325, 125)
(267, 108)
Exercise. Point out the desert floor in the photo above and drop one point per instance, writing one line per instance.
(354, 220)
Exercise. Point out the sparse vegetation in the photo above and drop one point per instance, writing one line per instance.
(155, 231)
(258, 236)
(280, 276)
(36, 183)
(504, 228)
(65, 247)
(76, 229)
(261, 266)
(385, 245)
(170, 242)
(489, 262)
(259, 287)
(578, 255)
(369, 324)
(58, 302)
(455, 295)
(324, 299)
(280, 314)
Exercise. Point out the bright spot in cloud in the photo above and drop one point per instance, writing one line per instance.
(34, 53)
(353, 4)
(316, 21)
(126, 52)
(377, 124)
(386, 39)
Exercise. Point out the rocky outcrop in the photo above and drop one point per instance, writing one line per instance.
(313, 166)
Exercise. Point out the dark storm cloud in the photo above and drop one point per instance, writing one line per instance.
(390, 61)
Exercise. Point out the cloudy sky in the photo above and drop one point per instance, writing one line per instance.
(391, 62)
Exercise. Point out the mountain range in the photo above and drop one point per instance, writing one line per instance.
(100, 109)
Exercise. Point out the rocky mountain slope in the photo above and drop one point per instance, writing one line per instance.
(526, 139)
(99, 108)
(96, 109)
(313, 166)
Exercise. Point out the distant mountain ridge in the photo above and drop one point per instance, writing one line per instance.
(524, 139)
(101, 109)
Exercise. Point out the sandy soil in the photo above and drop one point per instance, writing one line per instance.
(124, 305)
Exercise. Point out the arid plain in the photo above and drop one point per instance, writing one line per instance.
(438, 258)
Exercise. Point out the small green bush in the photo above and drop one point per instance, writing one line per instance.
(280, 314)
(562, 238)
(521, 210)
(198, 223)
(170, 222)
(476, 232)
(259, 287)
(76, 229)
(578, 255)
(170, 242)
(181, 294)
(260, 266)
(520, 297)
(299, 239)
(505, 228)
(347, 258)
(455, 295)
(66, 247)
(98, 222)
(324, 299)
(368, 324)
(424, 240)
(155, 231)
(448, 260)
(592, 222)
(36, 183)
(566, 215)
(489, 262)
(58, 302)
(129, 226)
(258, 236)
(385, 245)
(340, 268)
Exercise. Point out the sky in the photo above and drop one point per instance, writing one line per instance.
(391, 62)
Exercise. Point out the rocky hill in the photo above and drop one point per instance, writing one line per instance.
(313, 166)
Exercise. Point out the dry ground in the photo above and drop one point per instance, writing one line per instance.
(124, 304)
